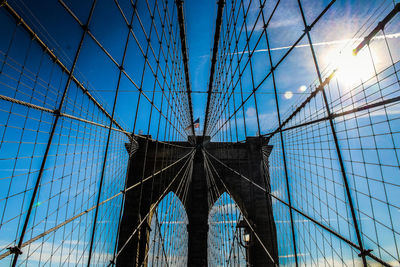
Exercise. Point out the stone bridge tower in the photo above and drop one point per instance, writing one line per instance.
(246, 158)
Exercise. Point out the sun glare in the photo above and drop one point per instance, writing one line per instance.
(351, 69)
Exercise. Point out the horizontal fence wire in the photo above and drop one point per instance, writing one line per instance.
(334, 154)
(71, 106)
(89, 89)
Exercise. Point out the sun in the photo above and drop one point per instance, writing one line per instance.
(352, 69)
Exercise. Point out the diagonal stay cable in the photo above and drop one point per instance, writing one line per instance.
(189, 160)
(183, 188)
(181, 19)
(212, 185)
(140, 90)
(276, 66)
(233, 241)
(62, 114)
(26, 243)
(47, 50)
(244, 215)
(161, 238)
(366, 252)
(236, 172)
(218, 25)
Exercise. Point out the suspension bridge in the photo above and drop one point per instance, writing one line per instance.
(199, 133)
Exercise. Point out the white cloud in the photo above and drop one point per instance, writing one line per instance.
(250, 112)
(333, 42)
(51, 253)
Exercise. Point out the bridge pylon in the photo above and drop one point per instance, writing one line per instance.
(248, 190)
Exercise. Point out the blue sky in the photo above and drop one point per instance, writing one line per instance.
(330, 36)
(368, 141)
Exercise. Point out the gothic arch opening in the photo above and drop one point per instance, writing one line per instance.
(168, 239)
(224, 248)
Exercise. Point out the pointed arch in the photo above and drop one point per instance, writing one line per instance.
(168, 239)
(224, 248)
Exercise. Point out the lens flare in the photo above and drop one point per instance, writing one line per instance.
(288, 94)
(302, 88)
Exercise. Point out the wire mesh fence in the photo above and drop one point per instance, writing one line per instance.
(71, 98)
(80, 81)
(334, 160)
